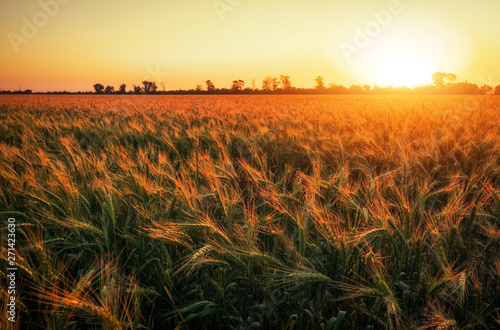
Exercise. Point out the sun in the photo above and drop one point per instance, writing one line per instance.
(402, 68)
(405, 52)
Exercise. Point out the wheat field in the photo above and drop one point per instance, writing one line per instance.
(248, 212)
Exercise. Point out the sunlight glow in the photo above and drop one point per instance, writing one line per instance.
(402, 69)
(406, 52)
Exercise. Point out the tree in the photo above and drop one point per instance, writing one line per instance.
(451, 78)
(439, 78)
(275, 83)
(485, 89)
(149, 86)
(320, 84)
(237, 85)
(137, 89)
(267, 83)
(99, 88)
(356, 89)
(122, 88)
(497, 90)
(338, 89)
(286, 84)
(463, 88)
(109, 89)
(199, 88)
(210, 85)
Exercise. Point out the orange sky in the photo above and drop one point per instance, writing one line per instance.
(71, 44)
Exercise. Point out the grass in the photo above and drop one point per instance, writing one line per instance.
(245, 212)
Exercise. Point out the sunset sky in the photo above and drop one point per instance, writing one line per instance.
(72, 44)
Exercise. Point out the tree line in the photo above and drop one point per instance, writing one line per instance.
(442, 83)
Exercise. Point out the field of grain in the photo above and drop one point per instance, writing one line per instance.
(247, 212)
